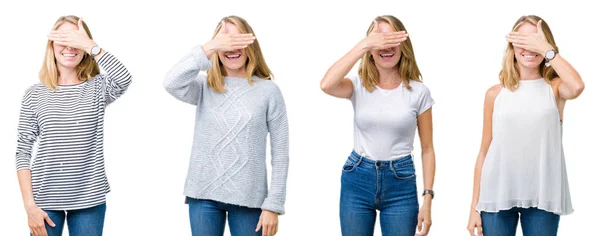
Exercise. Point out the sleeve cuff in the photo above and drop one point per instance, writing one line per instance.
(267, 205)
(199, 56)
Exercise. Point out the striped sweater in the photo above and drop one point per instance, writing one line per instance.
(67, 173)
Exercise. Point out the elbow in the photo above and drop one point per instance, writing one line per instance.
(578, 89)
(325, 87)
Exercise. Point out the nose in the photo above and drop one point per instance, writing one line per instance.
(69, 48)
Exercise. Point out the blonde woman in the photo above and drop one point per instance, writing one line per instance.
(390, 103)
(237, 105)
(520, 170)
(65, 115)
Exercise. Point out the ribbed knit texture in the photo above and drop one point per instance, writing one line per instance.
(68, 171)
(228, 159)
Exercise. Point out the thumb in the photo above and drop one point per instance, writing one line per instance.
(420, 225)
(50, 222)
(259, 225)
(479, 230)
(375, 26)
(223, 27)
(80, 23)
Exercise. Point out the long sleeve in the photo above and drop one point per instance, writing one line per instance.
(117, 77)
(27, 132)
(184, 80)
(277, 125)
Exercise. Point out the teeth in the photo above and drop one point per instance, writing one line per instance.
(529, 56)
(387, 55)
(233, 56)
(69, 54)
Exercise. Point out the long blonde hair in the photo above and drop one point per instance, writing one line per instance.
(87, 68)
(255, 65)
(407, 66)
(509, 75)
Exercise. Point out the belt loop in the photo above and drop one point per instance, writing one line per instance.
(359, 160)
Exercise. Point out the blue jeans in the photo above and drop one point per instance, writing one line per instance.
(207, 218)
(533, 222)
(387, 186)
(83, 222)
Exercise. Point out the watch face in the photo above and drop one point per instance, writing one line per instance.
(95, 50)
(550, 54)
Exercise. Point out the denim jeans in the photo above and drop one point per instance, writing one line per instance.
(207, 218)
(387, 186)
(83, 222)
(533, 222)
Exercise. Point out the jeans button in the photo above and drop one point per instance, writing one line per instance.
(378, 164)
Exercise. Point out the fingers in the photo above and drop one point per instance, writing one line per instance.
(375, 26)
(479, 230)
(50, 222)
(539, 27)
(259, 225)
(471, 230)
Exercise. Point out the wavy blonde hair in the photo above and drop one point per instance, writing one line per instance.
(255, 65)
(407, 65)
(87, 68)
(509, 75)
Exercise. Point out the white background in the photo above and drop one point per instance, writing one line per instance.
(459, 48)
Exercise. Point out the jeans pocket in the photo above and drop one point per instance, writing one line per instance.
(349, 166)
(404, 171)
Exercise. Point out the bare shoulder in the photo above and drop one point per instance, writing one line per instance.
(493, 92)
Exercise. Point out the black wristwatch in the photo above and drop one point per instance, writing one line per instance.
(429, 191)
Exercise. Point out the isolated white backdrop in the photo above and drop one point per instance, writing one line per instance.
(148, 135)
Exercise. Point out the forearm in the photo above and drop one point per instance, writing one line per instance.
(571, 79)
(182, 80)
(428, 158)
(278, 130)
(476, 182)
(342, 67)
(24, 177)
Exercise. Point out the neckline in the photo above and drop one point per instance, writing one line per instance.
(530, 80)
(391, 89)
(71, 85)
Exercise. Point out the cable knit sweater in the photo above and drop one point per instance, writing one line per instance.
(228, 160)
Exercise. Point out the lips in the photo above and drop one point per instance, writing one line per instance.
(233, 56)
(386, 55)
(69, 54)
(529, 57)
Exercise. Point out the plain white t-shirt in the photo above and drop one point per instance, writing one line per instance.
(385, 120)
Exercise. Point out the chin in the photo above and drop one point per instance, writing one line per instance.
(531, 65)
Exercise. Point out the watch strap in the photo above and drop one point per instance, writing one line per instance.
(428, 191)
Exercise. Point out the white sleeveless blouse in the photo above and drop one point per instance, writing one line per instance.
(525, 163)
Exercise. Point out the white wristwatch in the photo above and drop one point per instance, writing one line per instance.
(95, 51)
(549, 55)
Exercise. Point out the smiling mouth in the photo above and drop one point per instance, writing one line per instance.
(69, 54)
(233, 56)
(386, 55)
(529, 56)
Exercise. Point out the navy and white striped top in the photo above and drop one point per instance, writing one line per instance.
(67, 172)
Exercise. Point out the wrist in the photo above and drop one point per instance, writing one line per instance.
(546, 48)
(363, 46)
(209, 48)
(30, 205)
(88, 47)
